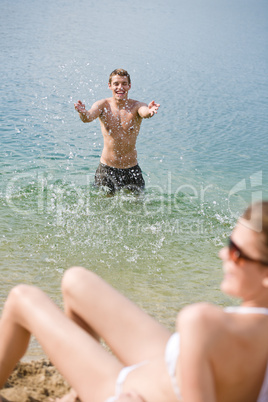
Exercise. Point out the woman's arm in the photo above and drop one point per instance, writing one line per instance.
(197, 331)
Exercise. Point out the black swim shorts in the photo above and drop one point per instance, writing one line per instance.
(115, 179)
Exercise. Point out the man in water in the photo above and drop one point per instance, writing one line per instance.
(120, 120)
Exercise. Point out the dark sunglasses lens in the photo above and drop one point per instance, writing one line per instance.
(237, 255)
(234, 251)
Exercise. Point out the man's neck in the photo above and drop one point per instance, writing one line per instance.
(120, 104)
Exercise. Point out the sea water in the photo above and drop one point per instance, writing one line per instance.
(203, 156)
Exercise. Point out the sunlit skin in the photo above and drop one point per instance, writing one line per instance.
(120, 120)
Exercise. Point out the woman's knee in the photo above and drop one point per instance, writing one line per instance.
(19, 295)
(71, 277)
(76, 277)
(20, 291)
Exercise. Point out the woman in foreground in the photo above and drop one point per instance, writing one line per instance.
(215, 355)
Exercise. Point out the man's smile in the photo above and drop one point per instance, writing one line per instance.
(120, 93)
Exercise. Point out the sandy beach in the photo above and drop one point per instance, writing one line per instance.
(34, 381)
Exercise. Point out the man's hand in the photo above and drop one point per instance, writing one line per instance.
(88, 116)
(146, 112)
(80, 107)
(153, 107)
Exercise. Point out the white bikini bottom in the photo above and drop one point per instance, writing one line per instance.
(171, 355)
(121, 379)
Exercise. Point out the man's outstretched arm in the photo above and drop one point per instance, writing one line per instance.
(89, 115)
(146, 112)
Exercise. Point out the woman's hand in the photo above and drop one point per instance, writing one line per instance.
(130, 397)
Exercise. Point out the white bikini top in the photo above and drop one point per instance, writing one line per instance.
(173, 351)
(246, 310)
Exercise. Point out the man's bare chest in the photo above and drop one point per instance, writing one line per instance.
(123, 119)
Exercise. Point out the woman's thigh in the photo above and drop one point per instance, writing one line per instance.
(87, 367)
(131, 333)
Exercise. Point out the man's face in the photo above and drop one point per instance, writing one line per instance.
(120, 87)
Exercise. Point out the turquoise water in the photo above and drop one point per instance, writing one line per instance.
(204, 156)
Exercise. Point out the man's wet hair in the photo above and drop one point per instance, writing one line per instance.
(121, 72)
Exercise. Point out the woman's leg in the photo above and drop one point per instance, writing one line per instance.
(131, 334)
(88, 368)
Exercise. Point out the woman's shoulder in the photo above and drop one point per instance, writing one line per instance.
(205, 318)
(202, 310)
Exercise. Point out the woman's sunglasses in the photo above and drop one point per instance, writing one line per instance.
(237, 255)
